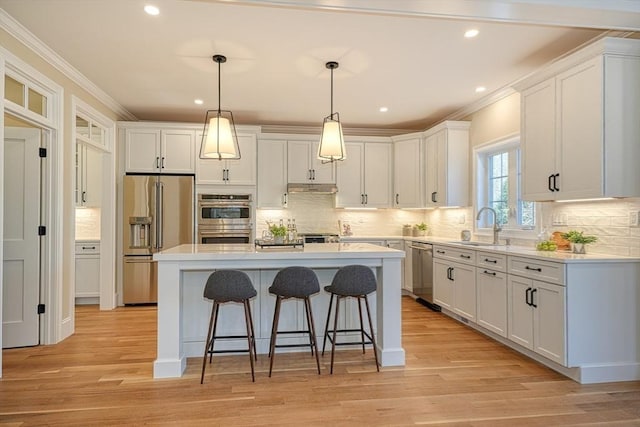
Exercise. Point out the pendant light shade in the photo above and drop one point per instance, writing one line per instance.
(332, 140)
(219, 138)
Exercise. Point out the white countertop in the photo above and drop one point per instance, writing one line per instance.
(199, 252)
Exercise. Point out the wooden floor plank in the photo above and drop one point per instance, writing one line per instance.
(454, 376)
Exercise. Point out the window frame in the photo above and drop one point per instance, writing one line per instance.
(481, 187)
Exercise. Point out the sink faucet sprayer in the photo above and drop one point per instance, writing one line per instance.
(496, 229)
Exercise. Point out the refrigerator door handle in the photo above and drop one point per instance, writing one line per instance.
(160, 215)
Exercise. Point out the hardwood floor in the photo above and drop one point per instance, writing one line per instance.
(454, 376)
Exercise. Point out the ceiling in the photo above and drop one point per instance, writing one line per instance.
(407, 55)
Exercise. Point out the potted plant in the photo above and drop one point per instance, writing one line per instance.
(278, 232)
(578, 240)
(420, 229)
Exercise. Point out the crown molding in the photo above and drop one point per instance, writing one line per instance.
(347, 131)
(24, 36)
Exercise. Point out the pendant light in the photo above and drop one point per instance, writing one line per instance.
(219, 139)
(332, 141)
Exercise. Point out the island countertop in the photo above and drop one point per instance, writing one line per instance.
(183, 312)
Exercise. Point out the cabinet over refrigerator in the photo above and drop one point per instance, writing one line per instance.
(157, 214)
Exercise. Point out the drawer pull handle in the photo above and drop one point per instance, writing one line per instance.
(539, 270)
(491, 273)
(465, 256)
(493, 261)
(440, 252)
(88, 247)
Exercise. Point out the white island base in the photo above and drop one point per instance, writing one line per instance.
(183, 313)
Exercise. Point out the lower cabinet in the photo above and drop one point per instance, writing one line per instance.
(454, 287)
(491, 287)
(536, 317)
(87, 273)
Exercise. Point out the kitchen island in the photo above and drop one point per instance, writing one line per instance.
(183, 313)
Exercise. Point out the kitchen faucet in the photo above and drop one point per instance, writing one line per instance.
(496, 229)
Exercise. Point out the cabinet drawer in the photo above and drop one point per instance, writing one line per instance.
(87, 248)
(491, 261)
(458, 255)
(552, 272)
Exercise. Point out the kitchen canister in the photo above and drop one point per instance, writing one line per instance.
(465, 235)
(407, 230)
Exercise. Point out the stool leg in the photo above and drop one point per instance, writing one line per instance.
(312, 332)
(361, 323)
(335, 328)
(274, 333)
(309, 320)
(326, 325)
(206, 344)
(216, 309)
(247, 316)
(373, 339)
(253, 334)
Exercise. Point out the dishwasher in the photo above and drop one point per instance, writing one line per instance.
(422, 272)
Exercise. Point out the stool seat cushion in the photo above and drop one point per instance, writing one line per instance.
(229, 285)
(353, 280)
(295, 282)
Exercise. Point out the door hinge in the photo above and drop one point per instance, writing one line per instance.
(42, 230)
(42, 152)
(40, 308)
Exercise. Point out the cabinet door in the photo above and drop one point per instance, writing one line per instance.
(243, 171)
(92, 166)
(492, 300)
(549, 321)
(142, 150)
(88, 276)
(538, 141)
(406, 182)
(580, 104)
(442, 284)
(177, 151)
(298, 168)
(272, 174)
(408, 267)
(464, 291)
(210, 171)
(323, 173)
(377, 175)
(435, 170)
(350, 177)
(520, 317)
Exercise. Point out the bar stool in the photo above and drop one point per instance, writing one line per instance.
(299, 283)
(356, 281)
(229, 286)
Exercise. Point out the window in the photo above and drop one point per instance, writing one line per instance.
(498, 186)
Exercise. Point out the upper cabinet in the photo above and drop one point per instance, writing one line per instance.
(364, 178)
(88, 176)
(272, 174)
(447, 164)
(155, 150)
(407, 176)
(233, 172)
(303, 165)
(579, 125)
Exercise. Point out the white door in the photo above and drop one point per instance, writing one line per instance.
(378, 176)
(520, 316)
(177, 151)
(272, 174)
(464, 291)
(549, 321)
(350, 172)
(21, 261)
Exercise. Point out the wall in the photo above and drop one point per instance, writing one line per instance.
(316, 213)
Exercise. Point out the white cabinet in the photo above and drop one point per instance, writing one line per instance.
(233, 172)
(88, 191)
(407, 281)
(536, 316)
(87, 271)
(568, 151)
(303, 165)
(155, 150)
(407, 176)
(454, 283)
(364, 178)
(491, 287)
(272, 174)
(447, 165)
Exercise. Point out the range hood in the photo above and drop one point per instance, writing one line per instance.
(312, 188)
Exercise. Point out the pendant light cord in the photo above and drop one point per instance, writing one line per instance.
(219, 62)
(332, 92)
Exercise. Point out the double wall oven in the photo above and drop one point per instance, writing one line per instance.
(224, 218)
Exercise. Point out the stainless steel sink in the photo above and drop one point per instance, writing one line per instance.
(468, 243)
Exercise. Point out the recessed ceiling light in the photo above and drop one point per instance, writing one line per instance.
(480, 89)
(198, 101)
(152, 10)
(471, 33)
(383, 109)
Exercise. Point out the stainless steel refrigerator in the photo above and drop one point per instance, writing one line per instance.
(157, 214)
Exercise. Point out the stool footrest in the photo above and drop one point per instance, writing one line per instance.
(366, 334)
